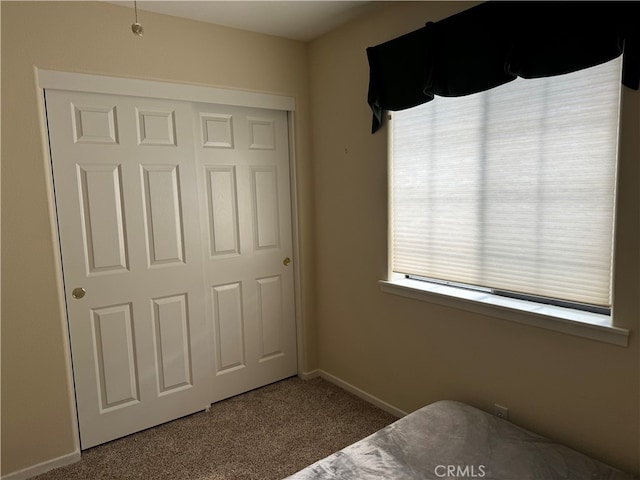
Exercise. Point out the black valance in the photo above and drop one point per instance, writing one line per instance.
(495, 42)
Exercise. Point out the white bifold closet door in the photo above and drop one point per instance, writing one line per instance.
(175, 229)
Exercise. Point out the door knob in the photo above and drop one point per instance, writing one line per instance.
(78, 292)
(286, 262)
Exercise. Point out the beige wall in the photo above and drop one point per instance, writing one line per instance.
(409, 353)
(94, 37)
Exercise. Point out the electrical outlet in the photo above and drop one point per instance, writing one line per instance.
(500, 411)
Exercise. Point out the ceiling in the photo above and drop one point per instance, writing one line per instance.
(301, 20)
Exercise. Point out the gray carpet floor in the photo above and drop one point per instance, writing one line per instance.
(268, 433)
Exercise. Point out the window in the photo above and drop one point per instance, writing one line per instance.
(511, 190)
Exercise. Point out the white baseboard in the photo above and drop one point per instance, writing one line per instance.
(309, 375)
(43, 467)
(355, 390)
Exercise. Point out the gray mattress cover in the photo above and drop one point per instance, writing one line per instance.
(452, 440)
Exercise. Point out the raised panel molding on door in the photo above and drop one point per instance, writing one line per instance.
(264, 195)
(217, 130)
(156, 127)
(115, 356)
(222, 206)
(163, 214)
(102, 218)
(174, 218)
(229, 327)
(94, 124)
(270, 318)
(262, 133)
(172, 343)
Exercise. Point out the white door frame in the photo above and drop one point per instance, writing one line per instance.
(79, 82)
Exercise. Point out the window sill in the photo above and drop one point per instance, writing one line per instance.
(566, 320)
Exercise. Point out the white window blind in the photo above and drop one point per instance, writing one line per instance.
(513, 188)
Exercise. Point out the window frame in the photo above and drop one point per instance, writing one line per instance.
(595, 326)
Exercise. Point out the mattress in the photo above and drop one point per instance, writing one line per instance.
(449, 439)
